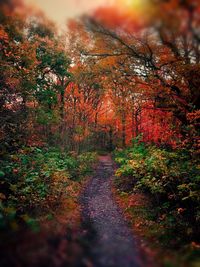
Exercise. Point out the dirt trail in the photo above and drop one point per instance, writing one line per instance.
(114, 244)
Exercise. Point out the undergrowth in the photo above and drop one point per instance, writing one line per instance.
(33, 181)
(170, 178)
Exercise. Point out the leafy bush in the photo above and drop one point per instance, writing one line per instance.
(34, 180)
(171, 177)
(85, 160)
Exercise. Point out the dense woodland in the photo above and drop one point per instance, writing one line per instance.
(126, 83)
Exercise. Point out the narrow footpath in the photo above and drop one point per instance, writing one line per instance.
(114, 244)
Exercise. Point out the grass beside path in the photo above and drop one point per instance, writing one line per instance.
(40, 223)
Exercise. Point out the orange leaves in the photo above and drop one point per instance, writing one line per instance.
(180, 210)
(3, 35)
(116, 17)
(193, 116)
(73, 89)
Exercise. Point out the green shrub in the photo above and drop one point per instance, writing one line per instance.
(171, 177)
(34, 179)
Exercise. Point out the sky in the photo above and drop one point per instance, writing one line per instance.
(61, 10)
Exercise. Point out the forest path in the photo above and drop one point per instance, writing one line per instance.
(114, 244)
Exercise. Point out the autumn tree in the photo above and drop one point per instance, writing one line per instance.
(164, 53)
(18, 66)
(34, 75)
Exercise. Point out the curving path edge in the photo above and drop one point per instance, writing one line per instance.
(114, 244)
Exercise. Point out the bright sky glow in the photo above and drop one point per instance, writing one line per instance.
(61, 10)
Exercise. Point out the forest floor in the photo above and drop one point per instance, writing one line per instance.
(101, 238)
(113, 242)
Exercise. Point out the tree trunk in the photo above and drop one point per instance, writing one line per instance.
(111, 139)
(123, 130)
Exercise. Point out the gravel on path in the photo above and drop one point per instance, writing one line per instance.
(114, 244)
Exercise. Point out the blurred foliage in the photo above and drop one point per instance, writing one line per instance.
(171, 179)
(34, 180)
